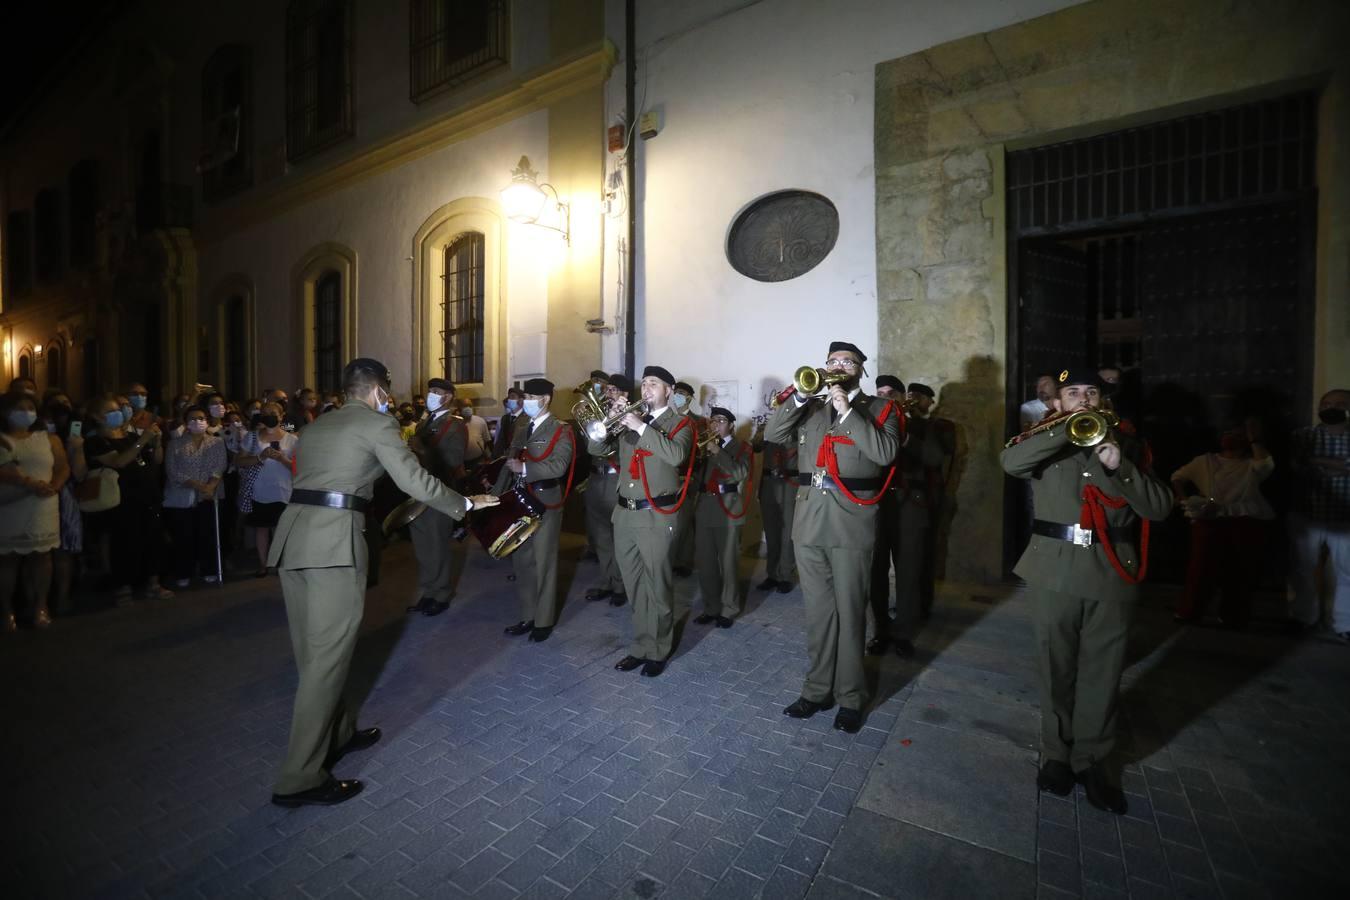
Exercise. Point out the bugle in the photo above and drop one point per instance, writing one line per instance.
(809, 381)
(1084, 427)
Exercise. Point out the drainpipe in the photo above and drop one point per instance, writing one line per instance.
(630, 119)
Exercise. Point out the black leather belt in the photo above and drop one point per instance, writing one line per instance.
(1078, 535)
(662, 501)
(825, 482)
(722, 487)
(544, 484)
(330, 499)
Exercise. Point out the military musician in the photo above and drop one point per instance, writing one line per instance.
(601, 498)
(655, 465)
(846, 443)
(542, 456)
(722, 478)
(439, 442)
(683, 400)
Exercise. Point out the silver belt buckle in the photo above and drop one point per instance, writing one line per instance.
(818, 479)
(1082, 537)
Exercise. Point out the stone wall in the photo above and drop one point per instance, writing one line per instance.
(944, 118)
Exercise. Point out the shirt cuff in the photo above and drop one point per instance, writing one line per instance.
(468, 504)
(798, 399)
(642, 429)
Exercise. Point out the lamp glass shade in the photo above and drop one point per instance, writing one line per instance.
(523, 201)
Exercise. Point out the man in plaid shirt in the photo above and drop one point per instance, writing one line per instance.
(1320, 514)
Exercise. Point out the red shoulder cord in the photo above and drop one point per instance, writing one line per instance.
(749, 485)
(1093, 515)
(571, 466)
(825, 456)
(637, 468)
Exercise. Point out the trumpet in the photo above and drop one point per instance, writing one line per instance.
(708, 443)
(1085, 427)
(600, 425)
(808, 381)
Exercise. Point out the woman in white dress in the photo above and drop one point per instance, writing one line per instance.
(30, 522)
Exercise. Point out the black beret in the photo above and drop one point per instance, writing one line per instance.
(443, 383)
(721, 411)
(836, 346)
(596, 373)
(366, 364)
(538, 386)
(621, 381)
(658, 372)
(918, 388)
(1078, 375)
(684, 386)
(891, 382)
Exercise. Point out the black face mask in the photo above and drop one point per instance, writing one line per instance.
(268, 420)
(1332, 416)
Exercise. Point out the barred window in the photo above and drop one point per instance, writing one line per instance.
(19, 253)
(455, 40)
(226, 160)
(318, 75)
(47, 232)
(328, 332)
(463, 309)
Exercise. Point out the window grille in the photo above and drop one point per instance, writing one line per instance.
(462, 309)
(328, 332)
(318, 75)
(47, 233)
(1241, 154)
(19, 253)
(226, 160)
(83, 213)
(453, 41)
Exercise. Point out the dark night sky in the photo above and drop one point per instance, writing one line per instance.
(37, 38)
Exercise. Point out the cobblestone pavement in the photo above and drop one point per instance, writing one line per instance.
(141, 746)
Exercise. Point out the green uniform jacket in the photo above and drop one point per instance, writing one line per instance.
(728, 465)
(828, 518)
(555, 465)
(346, 450)
(922, 452)
(1060, 471)
(665, 466)
(442, 439)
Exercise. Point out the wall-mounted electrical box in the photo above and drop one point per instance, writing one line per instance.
(649, 124)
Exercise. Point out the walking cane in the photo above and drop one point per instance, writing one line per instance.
(215, 509)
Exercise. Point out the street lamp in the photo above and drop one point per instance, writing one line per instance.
(525, 200)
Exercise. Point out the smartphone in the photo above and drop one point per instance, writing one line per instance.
(276, 445)
(76, 428)
(51, 428)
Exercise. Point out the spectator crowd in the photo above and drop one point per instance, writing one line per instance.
(118, 497)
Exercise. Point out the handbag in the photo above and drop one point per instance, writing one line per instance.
(99, 491)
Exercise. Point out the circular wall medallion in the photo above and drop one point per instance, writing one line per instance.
(782, 235)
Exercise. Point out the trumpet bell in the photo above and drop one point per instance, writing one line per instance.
(1089, 427)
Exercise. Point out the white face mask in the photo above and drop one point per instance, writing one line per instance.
(513, 406)
(467, 412)
(216, 410)
(196, 426)
(680, 400)
(435, 401)
(532, 408)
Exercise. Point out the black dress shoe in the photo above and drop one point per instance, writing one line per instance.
(629, 663)
(363, 739)
(1101, 793)
(877, 646)
(421, 605)
(768, 584)
(801, 708)
(681, 571)
(904, 649)
(519, 628)
(618, 599)
(653, 668)
(784, 587)
(848, 720)
(705, 619)
(599, 594)
(436, 608)
(330, 793)
(1056, 777)
(539, 635)
(724, 622)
